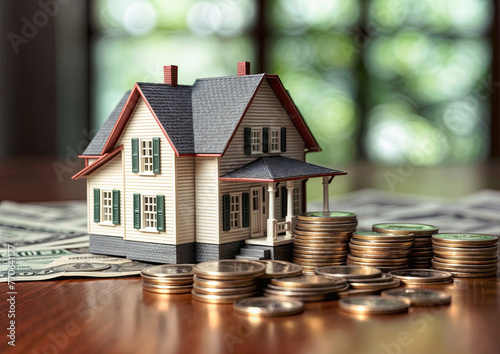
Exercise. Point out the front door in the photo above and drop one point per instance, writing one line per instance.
(256, 212)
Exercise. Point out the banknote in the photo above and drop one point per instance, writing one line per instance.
(33, 265)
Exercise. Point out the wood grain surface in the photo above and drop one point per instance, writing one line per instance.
(117, 316)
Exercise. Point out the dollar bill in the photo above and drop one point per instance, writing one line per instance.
(32, 265)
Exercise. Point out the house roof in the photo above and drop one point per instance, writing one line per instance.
(98, 163)
(278, 168)
(199, 119)
(97, 144)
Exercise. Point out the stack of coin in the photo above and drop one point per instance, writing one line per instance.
(226, 281)
(268, 307)
(422, 276)
(307, 288)
(168, 279)
(362, 280)
(466, 255)
(321, 239)
(421, 252)
(373, 305)
(380, 250)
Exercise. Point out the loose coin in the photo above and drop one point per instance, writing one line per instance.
(81, 267)
(421, 276)
(276, 269)
(169, 270)
(348, 272)
(229, 269)
(373, 305)
(405, 228)
(268, 307)
(219, 299)
(307, 281)
(419, 296)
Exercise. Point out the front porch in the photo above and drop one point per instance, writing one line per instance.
(275, 170)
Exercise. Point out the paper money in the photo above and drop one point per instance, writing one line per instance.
(48, 264)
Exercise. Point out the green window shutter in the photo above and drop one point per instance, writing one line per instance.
(116, 207)
(156, 155)
(226, 212)
(245, 201)
(135, 155)
(97, 205)
(160, 212)
(284, 198)
(137, 211)
(248, 141)
(265, 140)
(283, 139)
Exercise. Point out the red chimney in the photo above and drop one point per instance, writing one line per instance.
(243, 68)
(170, 75)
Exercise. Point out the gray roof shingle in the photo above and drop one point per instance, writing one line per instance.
(97, 144)
(277, 168)
(198, 119)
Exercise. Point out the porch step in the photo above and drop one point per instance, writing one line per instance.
(253, 253)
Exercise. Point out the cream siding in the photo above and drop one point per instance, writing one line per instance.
(107, 177)
(91, 161)
(186, 221)
(142, 124)
(265, 111)
(208, 204)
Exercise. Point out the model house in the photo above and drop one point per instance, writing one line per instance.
(183, 174)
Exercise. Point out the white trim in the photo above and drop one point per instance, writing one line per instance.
(259, 211)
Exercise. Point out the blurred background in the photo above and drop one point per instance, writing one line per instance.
(391, 89)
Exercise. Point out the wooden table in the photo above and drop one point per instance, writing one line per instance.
(117, 316)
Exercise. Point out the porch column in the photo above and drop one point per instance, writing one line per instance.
(290, 218)
(326, 201)
(272, 223)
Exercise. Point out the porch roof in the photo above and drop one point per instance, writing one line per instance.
(277, 169)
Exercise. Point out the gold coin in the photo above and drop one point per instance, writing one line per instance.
(357, 242)
(466, 261)
(207, 283)
(390, 261)
(169, 271)
(224, 291)
(419, 297)
(369, 305)
(405, 228)
(421, 276)
(268, 307)
(332, 216)
(307, 281)
(381, 237)
(229, 269)
(219, 299)
(276, 269)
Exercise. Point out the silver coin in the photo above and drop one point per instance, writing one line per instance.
(419, 296)
(81, 267)
(348, 272)
(268, 306)
(169, 270)
(229, 269)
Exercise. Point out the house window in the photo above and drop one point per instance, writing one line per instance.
(296, 201)
(275, 140)
(107, 206)
(149, 212)
(147, 155)
(235, 209)
(256, 141)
